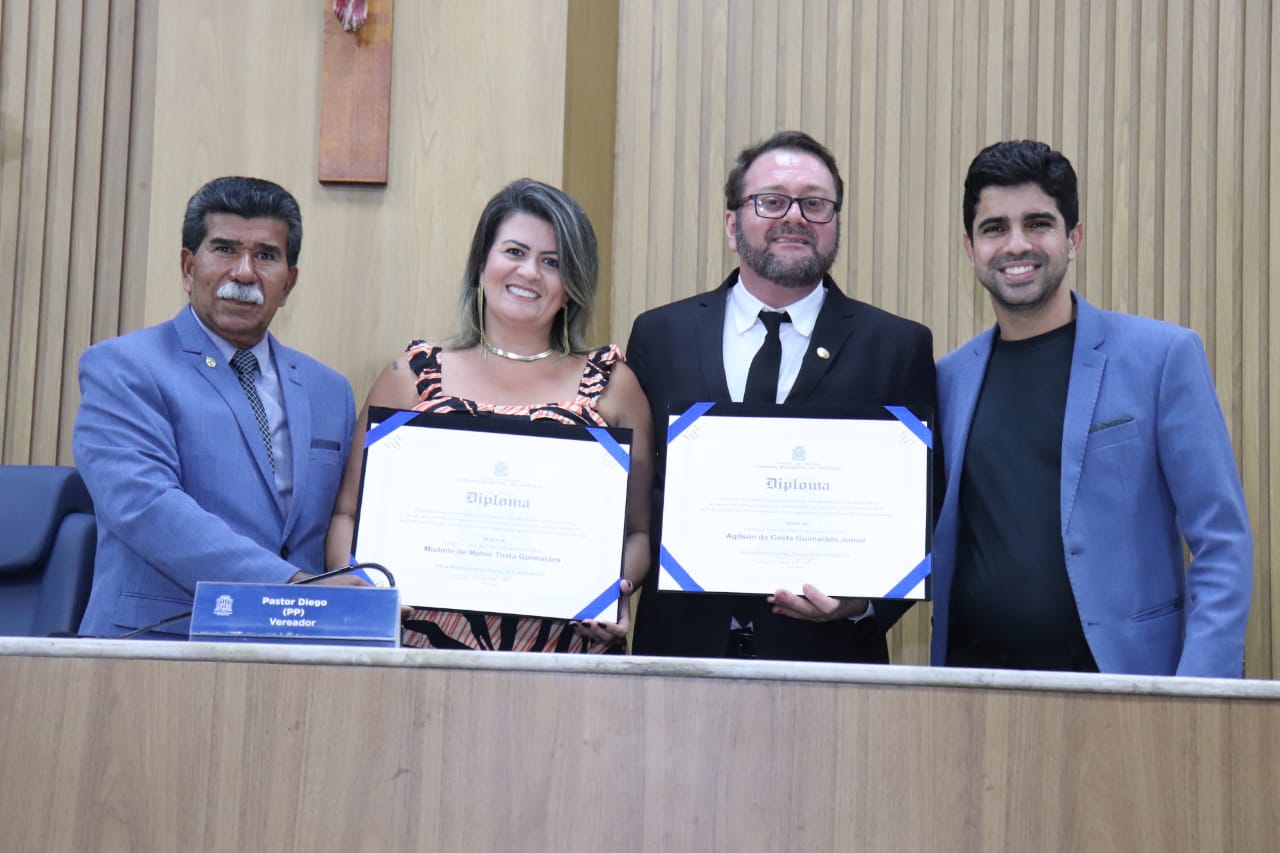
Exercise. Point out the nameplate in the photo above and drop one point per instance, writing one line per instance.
(292, 613)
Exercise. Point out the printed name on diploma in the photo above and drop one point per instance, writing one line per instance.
(787, 537)
(489, 555)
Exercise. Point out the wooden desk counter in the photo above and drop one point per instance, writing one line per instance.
(121, 745)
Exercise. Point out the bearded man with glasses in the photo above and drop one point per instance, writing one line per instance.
(777, 331)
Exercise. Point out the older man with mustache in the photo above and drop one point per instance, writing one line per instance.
(777, 331)
(212, 451)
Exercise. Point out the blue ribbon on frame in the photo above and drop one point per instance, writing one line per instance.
(912, 423)
(686, 420)
(677, 572)
(913, 578)
(614, 591)
(615, 449)
(611, 594)
(387, 427)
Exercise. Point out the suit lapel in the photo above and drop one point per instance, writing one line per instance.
(708, 336)
(297, 415)
(961, 403)
(207, 362)
(1087, 364)
(832, 328)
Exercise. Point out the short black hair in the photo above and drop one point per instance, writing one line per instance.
(249, 198)
(794, 139)
(1024, 161)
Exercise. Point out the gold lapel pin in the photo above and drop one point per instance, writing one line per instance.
(208, 359)
(823, 353)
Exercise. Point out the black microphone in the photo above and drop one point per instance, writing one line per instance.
(377, 567)
(145, 628)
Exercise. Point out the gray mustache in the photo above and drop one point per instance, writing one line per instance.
(240, 292)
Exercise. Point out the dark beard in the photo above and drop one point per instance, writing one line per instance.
(1052, 281)
(790, 274)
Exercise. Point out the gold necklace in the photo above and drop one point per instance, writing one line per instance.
(515, 356)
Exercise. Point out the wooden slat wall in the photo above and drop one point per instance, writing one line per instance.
(74, 91)
(1170, 112)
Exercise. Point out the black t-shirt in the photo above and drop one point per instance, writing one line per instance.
(1011, 601)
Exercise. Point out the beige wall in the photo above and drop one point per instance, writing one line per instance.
(477, 100)
(1170, 112)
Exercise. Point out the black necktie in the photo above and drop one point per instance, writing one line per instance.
(245, 365)
(762, 378)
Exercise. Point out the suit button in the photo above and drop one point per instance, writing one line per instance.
(284, 552)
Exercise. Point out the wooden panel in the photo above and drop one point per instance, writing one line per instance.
(590, 121)
(59, 190)
(68, 111)
(224, 755)
(72, 319)
(1266, 615)
(141, 139)
(14, 31)
(1167, 110)
(28, 277)
(355, 97)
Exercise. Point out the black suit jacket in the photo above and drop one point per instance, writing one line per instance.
(676, 351)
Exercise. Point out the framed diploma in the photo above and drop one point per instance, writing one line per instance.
(493, 515)
(760, 498)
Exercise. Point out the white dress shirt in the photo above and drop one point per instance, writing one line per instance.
(744, 333)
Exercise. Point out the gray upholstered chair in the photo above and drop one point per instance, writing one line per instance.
(47, 540)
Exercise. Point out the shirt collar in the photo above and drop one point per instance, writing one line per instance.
(262, 349)
(744, 309)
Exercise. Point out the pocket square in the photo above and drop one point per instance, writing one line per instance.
(325, 444)
(1099, 427)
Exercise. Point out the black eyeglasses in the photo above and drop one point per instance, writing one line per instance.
(776, 206)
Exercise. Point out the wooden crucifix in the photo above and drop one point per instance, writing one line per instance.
(355, 92)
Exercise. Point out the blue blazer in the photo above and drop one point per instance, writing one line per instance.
(182, 487)
(1146, 464)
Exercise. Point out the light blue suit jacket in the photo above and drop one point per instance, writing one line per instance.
(1146, 463)
(181, 483)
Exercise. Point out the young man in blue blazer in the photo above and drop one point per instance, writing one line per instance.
(1084, 447)
(212, 451)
